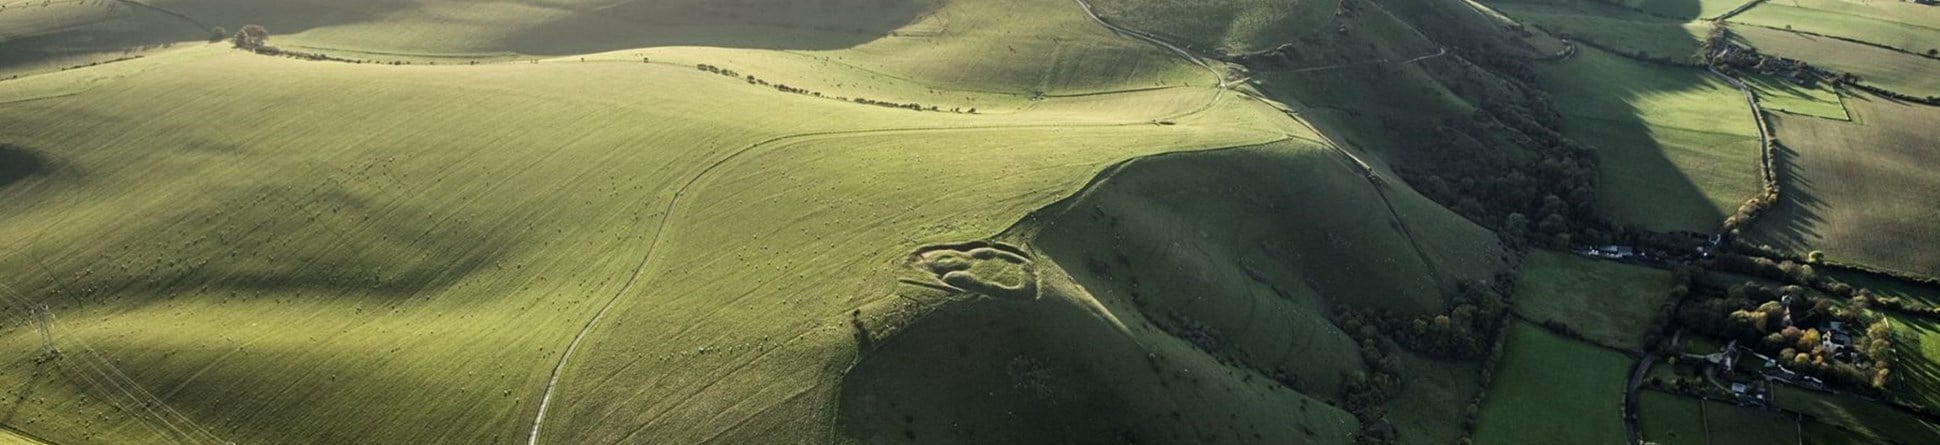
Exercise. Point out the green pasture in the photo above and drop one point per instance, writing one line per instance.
(1608, 303)
(1781, 95)
(1679, 148)
(1908, 26)
(1876, 66)
(1550, 389)
(1668, 419)
(1859, 191)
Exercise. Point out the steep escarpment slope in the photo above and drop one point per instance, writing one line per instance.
(1207, 284)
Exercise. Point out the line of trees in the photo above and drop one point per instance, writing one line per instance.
(752, 80)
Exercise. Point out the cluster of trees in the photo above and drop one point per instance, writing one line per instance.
(251, 37)
(1783, 322)
(1929, 100)
(1465, 332)
(752, 80)
(1366, 393)
(1471, 329)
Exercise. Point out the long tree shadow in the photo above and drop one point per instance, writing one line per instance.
(1791, 224)
(327, 243)
(1918, 372)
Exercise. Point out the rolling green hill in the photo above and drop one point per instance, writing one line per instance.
(850, 221)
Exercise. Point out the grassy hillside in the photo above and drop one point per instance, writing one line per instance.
(1905, 25)
(1860, 191)
(1253, 281)
(1877, 66)
(1611, 26)
(219, 242)
(1678, 148)
(1237, 26)
(1609, 303)
(1553, 390)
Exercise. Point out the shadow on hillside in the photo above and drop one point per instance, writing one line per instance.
(762, 24)
(1452, 127)
(322, 242)
(17, 164)
(1792, 224)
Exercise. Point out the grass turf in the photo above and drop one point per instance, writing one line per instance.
(1553, 390)
(1904, 73)
(1841, 419)
(1668, 419)
(1859, 191)
(1908, 26)
(1608, 303)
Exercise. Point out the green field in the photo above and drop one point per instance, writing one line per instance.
(1860, 191)
(1668, 419)
(1686, 9)
(1608, 303)
(1851, 420)
(1618, 28)
(1917, 373)
(1553, 390)
(1875, 66)
(1776, 94)
(1736, 425)
(1908, 26)
(1678, 147)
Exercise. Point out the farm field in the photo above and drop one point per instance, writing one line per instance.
(1608, 303)
(1881, 67)
(1553, 390)
(1919, 360)
(1614, 27)
(1780, 95)
(1859, 191)
(1668, 419)
(1737, 425)
(1908, 26)
(1685, 9)
(1840, 419)
(1678, 148)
